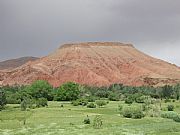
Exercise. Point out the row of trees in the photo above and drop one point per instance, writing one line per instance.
(40, 91)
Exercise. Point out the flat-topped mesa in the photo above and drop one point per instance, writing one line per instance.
(95, 64)
(90, 44)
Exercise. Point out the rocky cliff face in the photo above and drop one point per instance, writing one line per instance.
(95, 63)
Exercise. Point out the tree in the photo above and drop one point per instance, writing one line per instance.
(2, 100)
(167, 91)
(177, 91)
(67, 92)
(40, 89)
(23, 105)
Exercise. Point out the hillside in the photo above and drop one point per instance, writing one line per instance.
(14, 63)
(95, 63)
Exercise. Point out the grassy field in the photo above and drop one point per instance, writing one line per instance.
(68, 120)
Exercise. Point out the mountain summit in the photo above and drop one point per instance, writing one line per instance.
(95, 63)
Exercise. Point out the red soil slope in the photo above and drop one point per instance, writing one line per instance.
(96, 63)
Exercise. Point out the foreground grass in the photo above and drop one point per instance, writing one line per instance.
(68, 120)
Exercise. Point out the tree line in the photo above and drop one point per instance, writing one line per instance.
(39, 92)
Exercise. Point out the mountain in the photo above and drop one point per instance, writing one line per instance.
(95, 63)
(14, 63)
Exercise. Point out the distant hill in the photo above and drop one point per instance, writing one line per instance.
(14, 63)
(95, 63)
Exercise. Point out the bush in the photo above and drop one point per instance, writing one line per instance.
(167, 100)
(91, 105)
(75, 103)
(132, 112)
(137, 113)
(170, 107)
(101, 103)
(91, 99)
(97, 122)
(41, 102)
(120, 107)
(113, 97)
(11, 100)
(87, 120)
(23, 105)
(127, 112)
(155, 111)
(82, 102)
(129, 100)
(177, 118)
(140, 99)
(169, 115)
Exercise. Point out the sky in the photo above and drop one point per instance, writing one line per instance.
(38, 27)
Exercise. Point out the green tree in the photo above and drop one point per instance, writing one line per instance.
(40, 89)
(167, 91)
(68, 92)
(177, 91)
(2, 100)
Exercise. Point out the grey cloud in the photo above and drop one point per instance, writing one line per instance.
(37, 27)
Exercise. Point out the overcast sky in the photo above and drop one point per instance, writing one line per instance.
(38, 27)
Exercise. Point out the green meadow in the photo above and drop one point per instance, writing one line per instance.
(68, 120)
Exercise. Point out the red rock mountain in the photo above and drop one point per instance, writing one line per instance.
(95, 63)
(14, 63)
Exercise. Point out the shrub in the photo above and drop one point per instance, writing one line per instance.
(97, 122)
(129, 100)
(113, 97)
(177, 118)
(11, 100)
(133, 112)
(137, 113)
(169, 115)
(75, 103)
(101, 103)
(91, 105)
(87, 120)
(155, 111)
(23, 105)
(167, 100)
(140, 99)
(127, 112)
(82, 102)
(170, 107)
(91, 99)
(120, 107)
(41, 102)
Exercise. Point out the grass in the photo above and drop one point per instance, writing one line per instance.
(68, 120)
